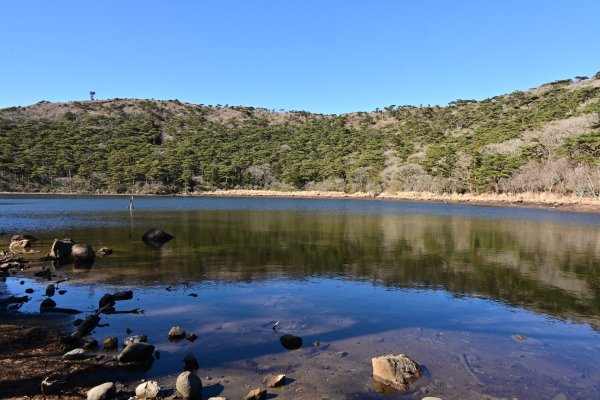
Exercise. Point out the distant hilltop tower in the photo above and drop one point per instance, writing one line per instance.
(92, 94)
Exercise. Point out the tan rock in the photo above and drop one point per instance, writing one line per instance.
(397, 371)
(256, 394)
(275, 380)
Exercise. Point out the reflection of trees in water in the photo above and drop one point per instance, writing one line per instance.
(547, 266)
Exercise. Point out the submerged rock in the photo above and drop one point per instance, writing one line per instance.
(147, 390)
(156, 237)
(291, 342)
(397, 371)
(189, 385)
(102, 392)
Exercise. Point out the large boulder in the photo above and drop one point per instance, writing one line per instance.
(188, 385)
(61, 249)
(136, 352)
(397, 371)
(82, 254)
(156, 237)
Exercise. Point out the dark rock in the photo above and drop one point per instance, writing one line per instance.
(397, 371)
(136, 352)
(188, 385)
(104, 251)
(45, 273)
(193, 295)
(110, 343)
(62, 291)
(256, 394)
(291, 342)
(29, 290)
(88, 343)
(106, 300)
(86, 327)
(77, 322)
(50, 289)
(176, 333)
(128, 330)
(105, 391)
(123, 295)
(192, 337)
(156, 238)
(190, 363)
(46, 304)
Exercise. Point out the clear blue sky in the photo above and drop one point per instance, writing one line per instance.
(321, 56)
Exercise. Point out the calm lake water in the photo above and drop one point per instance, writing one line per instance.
(452, 286)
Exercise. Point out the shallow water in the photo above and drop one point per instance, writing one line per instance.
(448, 285)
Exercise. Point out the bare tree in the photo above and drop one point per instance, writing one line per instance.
(92, 94)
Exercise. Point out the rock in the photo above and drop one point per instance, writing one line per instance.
(188, 385)
(46, 304)
(61, 249)
(156, 238)
(256, 394)
(110, 343)
(275, 380)
(217, 398)
(192, 337)
(431, 398)
(176, 333)
(135, 339)
(87, 326)
(190, 363)
(50, 289)
(83, 254)
(62, 291)
(291, 342)
(16, 238)
(104, 251)
(75, 354)
(102, 392)
(397, 371)
(88, 343)
(106, 300)
(147, 390)
(123, 295)
(136, 352)
(29, 290)
(19, 246)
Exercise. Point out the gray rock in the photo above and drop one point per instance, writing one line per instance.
(176, 333)
(397, 371)
(110, 343)
(189, 385)
(275, 380)
(135, 339)
(102, 392)
(256, 394)
(75, 354)
(83, 253)
(147, 390)
(136, 352)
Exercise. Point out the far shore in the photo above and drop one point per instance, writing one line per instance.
(550, 201)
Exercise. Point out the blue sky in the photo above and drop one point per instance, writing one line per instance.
(321, 56)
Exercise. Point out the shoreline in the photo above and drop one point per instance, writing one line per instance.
(548, 201)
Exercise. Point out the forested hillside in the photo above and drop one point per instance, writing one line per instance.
(541, 140)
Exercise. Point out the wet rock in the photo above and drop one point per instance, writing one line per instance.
(291, 342)
(29, 290)
(176, 333)
(83, 254)
(397, 371)
(192, 337)
(75, 354)
(135, 339)
(273, 381)
(62, 291)
(147, 390)
(61, 249)
(107, 300)
(136, 352)
(47, 304)
(102, 392)
(104, 251)
(77, 322)
(50, 289)
(53, 383)
(110, 343)
(123, 295)
(16, 238)
(189, 385)
(190, 363)
(256, 394)
(88, 343)
(156, 238)
(19, 246)
(87, 326)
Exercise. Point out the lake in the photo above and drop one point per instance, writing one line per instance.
(493, 302)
